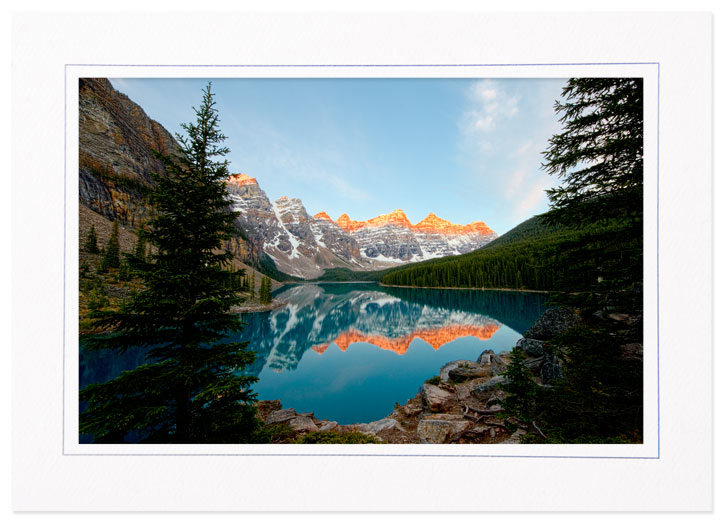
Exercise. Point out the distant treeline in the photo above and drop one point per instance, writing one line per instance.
(345, 274)
(532, 256)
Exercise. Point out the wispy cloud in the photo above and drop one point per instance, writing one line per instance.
(515, 183)
(533, 198)
(489, 105)
(523, 149)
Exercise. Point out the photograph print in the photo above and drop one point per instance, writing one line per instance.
(360, 261)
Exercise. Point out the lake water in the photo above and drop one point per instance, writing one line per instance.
(348, 352)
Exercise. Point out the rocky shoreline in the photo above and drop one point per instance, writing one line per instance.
(463, 404)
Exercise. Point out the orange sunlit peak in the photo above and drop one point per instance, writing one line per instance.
(324, 216)
(241, 179)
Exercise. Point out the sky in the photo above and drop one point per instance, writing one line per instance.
(465, 149)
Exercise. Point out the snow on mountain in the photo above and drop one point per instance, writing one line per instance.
(304, 245)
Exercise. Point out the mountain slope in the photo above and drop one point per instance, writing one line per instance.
(116, 139)
(116, 143)
(531, 256)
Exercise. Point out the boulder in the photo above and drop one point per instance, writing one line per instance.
(330, 425)
(632, 351)
(378, 426)
(485, 357)
(445, 369)
(435, 398)
(498, 364)
(515, 438)
(280, 416)
(482, 391)
(552, 322)
(435, 431)
(466, 372)
(303, 424)
(532, 347)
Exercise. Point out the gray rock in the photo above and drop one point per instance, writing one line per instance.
(533, 347)
(435, 431)
(445, 369)
(632, 351)
(482, 391)
(435, 398)
(516, 436)
(330, 425)
(485, 357)
(303, 424)
(464, 373)
(376, 427)
(552, 322)
(498, 365)
(281, 416)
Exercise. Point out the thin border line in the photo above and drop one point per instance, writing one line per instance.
(65, 230)
(368, 65)
(65, 246)
(659, 441)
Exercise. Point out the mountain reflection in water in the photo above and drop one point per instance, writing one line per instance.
(349, 351)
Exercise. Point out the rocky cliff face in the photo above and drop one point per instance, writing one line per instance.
(299, 244)
(116, 139)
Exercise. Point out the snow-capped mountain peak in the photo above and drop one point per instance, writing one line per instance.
(304, 245)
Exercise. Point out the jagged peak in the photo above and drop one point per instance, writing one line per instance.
(324, 216)
(347, 224)
(431, 224)
(397, 217)
(241, 179)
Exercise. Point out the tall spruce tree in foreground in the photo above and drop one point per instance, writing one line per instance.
(599, 152)
(598, 156)
(193, 388)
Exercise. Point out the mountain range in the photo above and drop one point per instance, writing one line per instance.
(304, 245)
(116, 144)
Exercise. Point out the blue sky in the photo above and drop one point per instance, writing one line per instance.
(465, 149)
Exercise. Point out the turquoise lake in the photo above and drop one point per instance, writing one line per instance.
(348, 352)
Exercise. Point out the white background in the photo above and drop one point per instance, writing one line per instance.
(681, 480)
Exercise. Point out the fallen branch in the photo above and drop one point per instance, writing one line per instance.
(538, 429)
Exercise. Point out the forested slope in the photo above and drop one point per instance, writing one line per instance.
(532, 256)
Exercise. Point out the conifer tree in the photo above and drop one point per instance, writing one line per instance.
(98, 298)
(193, 388)
(520, 387)
(265, 290)
(91, 244)
(139, 251)
(599, 152)
(112, 253)
(599, 157)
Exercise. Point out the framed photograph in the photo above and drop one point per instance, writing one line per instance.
(376, 264)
